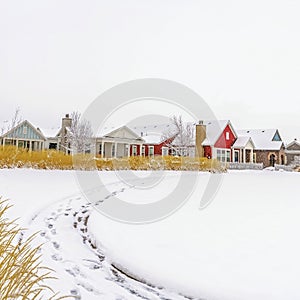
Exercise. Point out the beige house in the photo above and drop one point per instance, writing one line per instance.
(243, 150)
(120, 142)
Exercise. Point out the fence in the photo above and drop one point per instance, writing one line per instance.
(245, 166)
(289, 168)
(159, 163)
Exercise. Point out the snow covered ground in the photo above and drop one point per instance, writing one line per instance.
(244, 245)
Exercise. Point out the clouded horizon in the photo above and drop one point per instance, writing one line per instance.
(241, 57)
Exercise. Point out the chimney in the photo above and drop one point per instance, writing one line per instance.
(66, 122)
(200, 137)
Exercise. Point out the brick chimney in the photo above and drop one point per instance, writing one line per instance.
(200, 137)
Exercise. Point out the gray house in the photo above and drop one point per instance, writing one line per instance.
(292, 152)
(24, 135)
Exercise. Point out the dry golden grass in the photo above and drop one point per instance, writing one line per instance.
(21, 274)
(11, 157)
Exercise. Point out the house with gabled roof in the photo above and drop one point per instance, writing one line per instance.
(24, 135)
(119, 142)
(292, 152)
(214, 139)
(243, 150)
(268, 146)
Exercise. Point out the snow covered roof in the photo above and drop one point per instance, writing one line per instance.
(50, 132)
(123, 132)
(294, 142)
(154, 134)
(263, 139)
(214, 129)
(242, 142)
(106, 130)
(24, 123)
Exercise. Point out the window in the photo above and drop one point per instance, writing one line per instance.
(53, 146)
(219, 155)
(227, 156)
(134, 150)
(276, 137)
(183, 151)
(227, 135)
(113, 150)
(25, 130)
(151, 150)
(223, 155)
(165, 151)
(143, 151)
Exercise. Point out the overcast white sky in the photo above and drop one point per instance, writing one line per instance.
(242, 57)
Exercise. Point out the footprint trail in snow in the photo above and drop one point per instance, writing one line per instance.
(83, 268)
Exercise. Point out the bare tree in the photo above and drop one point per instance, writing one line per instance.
(3, 128)
(181, 137)
(15, 121)
(79, 135)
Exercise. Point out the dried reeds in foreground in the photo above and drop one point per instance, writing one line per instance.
(21, 274)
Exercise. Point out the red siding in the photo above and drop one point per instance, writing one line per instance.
(207, 152)
(158, 147)
(222, 142)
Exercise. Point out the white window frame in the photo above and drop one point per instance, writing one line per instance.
(134, 150)
(223, 155)
(150, 150)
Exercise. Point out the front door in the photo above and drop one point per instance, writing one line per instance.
(236, 156)
(272, 160)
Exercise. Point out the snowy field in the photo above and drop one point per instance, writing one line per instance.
(243, 246)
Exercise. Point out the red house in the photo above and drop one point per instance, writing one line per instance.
(157, 139)
(214, 139)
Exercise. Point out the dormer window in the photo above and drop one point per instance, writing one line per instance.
(276, 137)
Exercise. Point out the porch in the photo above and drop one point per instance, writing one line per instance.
(118, 148)
(31, 145)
